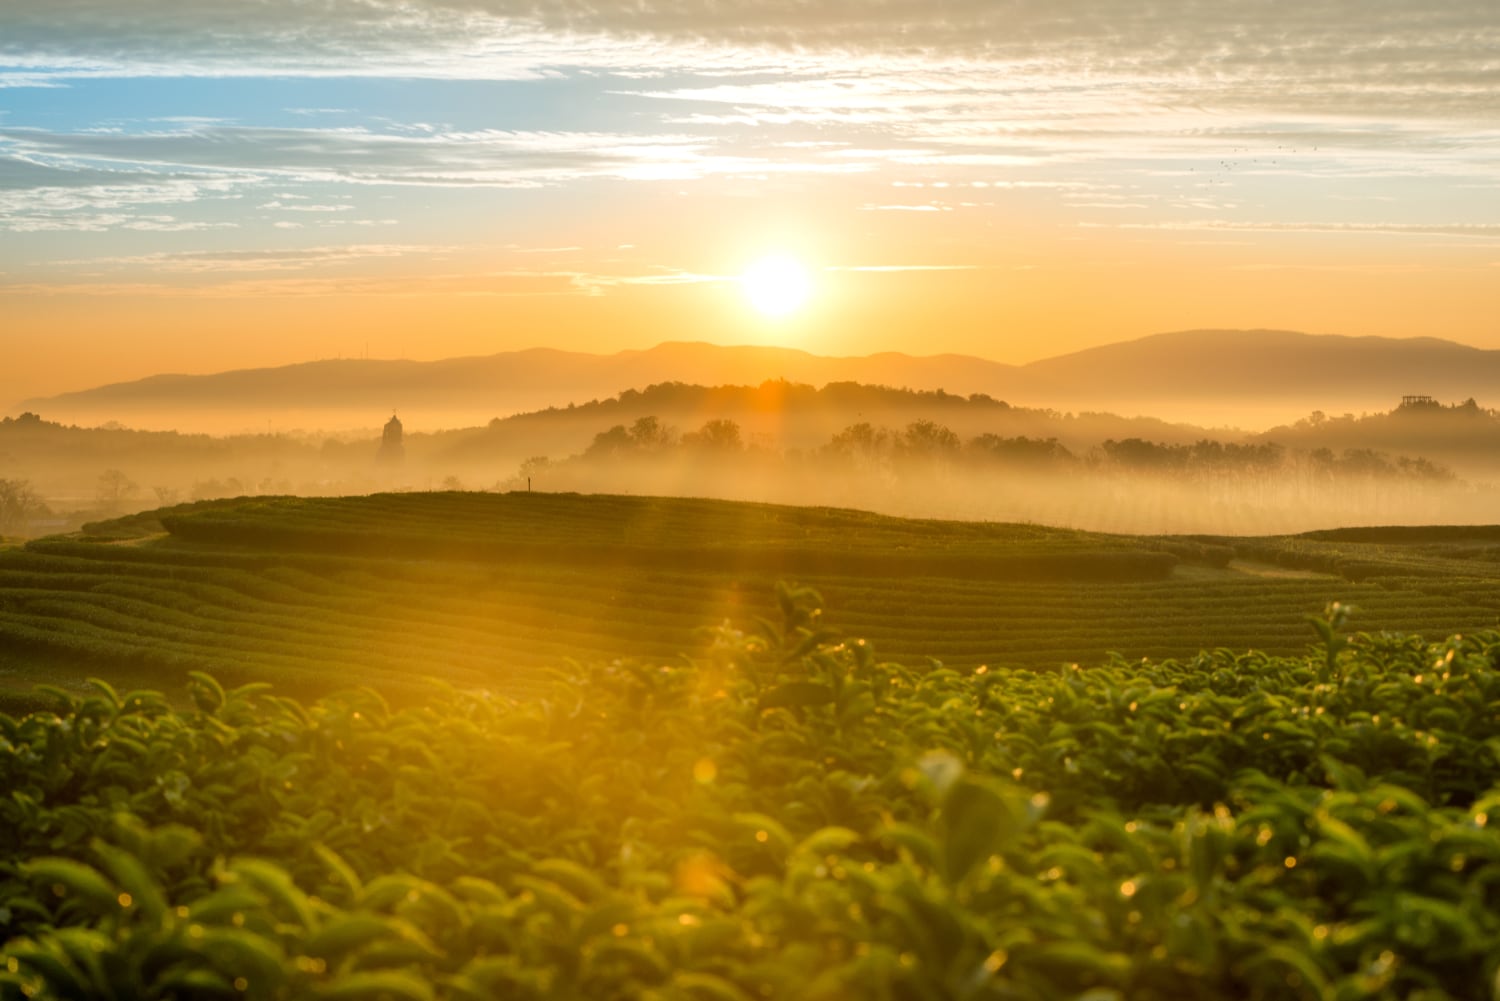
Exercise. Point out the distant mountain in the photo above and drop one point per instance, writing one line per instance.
(473, 390)
(1246, 377)
(1262, 364)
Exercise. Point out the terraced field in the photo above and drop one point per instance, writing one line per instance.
(496, 590)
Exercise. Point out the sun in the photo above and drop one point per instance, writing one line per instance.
(777, 286)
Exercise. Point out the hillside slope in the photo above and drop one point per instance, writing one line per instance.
(496, 590)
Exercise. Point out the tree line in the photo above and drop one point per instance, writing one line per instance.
(923, 444)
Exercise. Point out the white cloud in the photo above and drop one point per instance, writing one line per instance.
(10, 80)
(97, 207)
(927, 207)
(283, 207)
(1376, 57)
(214, 277)
(1472, 230)
(908, 267)
(487, 158)
(585, 280)
(258, 261)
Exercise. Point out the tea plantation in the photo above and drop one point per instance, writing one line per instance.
(478, 746)
(784, 817)
(314, 594)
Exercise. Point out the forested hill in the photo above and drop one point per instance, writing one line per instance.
(797, 415)
(1463, 435)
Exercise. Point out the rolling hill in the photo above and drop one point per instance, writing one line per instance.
(467, 391)
(498, 589)
(1252, 378)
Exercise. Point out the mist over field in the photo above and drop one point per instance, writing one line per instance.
(1103, 498)
(930, 454)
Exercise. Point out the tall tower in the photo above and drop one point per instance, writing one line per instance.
(391, 449)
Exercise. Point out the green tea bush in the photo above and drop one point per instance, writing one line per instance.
(784, 817)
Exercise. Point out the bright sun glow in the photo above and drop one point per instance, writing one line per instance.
(777, 286)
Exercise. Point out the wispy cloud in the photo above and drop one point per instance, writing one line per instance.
(907, 267)
(497, 285)
(215, 278)
(486, 158)
(10, 80)
(326, 270)
(1458, 229)
(586, 280)
(94, 207)
(270, 260)
(283, 207)
(1388, 58)
(1410, 268)
(925, 207)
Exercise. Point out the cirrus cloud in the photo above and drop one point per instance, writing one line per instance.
(1375, 56)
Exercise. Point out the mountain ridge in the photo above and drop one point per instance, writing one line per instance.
(1205, 368)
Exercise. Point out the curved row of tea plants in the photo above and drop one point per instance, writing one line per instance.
(136, 613)
(607, 532)
(784, 816)
(489, 519)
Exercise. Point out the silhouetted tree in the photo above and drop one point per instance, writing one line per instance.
(719, 435)
(649, 434)
(1364, 462)
(861, 440)
(1424, 469)
(1263, 457)
(534, 466)
(928, 438)
(1139, 455)
(610, 444)
(1021, 452)
(862, 437)
(19, 503)
(114, 489)
(986, 400)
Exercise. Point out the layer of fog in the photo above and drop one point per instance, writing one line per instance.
(1225, 415)
(1083, 471)
(1130, 486)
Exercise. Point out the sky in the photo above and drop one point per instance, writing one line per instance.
(237, 183)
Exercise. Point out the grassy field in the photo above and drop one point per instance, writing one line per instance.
(497, 590)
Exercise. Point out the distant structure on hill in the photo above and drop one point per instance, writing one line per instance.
(391, 449)
(1412, 402)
